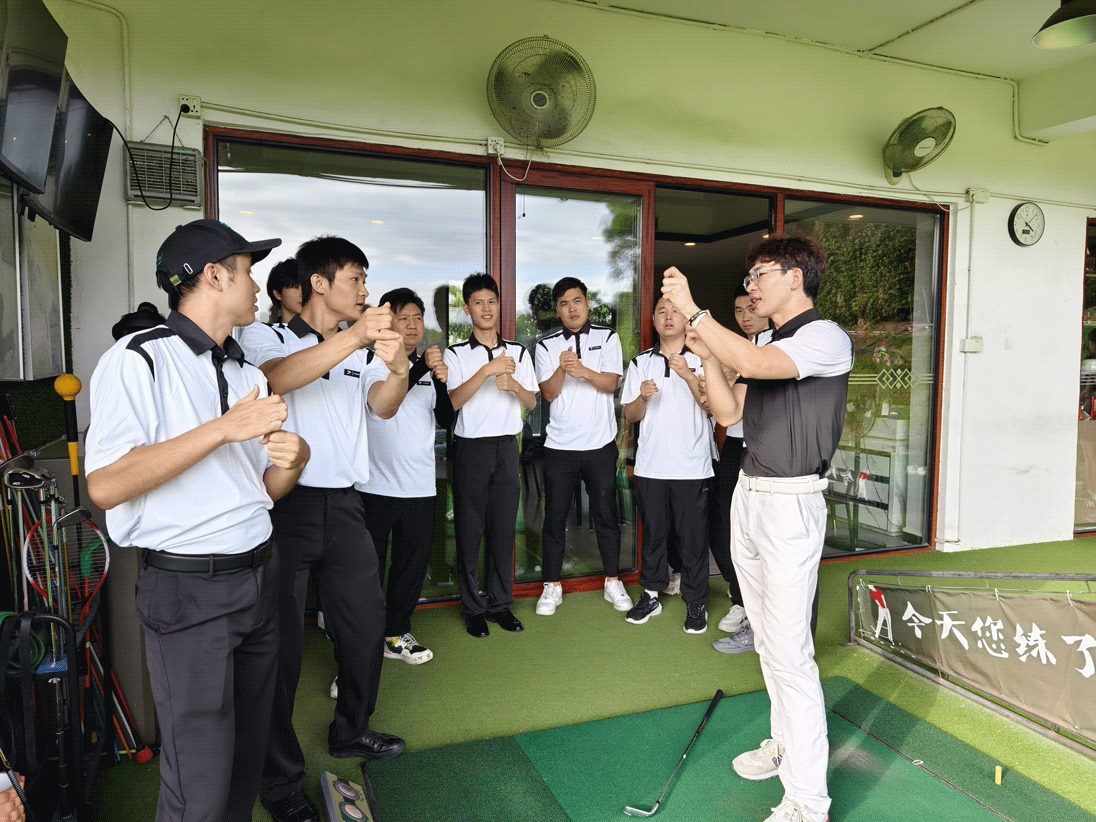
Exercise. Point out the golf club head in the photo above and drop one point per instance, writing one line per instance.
(24, 479)
(73, 517)
(18, 461)
(628, 809)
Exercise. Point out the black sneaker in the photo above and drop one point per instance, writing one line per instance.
(696, 619)
(293, 808)
(647, 607)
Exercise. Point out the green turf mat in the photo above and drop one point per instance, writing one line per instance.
(486, 781)
(596, 768)
(970, 771)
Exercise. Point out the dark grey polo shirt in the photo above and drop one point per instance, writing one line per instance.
(792, 426)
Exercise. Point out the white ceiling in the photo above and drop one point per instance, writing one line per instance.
(991, 37)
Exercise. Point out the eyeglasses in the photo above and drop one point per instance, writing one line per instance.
(754, 276)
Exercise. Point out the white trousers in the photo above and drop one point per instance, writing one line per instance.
(776, 545)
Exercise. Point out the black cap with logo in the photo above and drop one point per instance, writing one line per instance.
(185, 253)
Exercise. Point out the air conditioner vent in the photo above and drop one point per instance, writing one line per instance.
(153, 163)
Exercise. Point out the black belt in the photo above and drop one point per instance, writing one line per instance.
(209, 563)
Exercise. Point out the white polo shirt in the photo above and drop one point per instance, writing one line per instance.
(258, 334)
(328, 412)
(581, 418)
(675, 437)
(489, 412)
(157, 384)
(401, 452)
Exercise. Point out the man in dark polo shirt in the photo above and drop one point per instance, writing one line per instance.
(792, 414)
(186, 453)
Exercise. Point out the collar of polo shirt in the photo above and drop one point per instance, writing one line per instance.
(302, 329)
(474, 343)
(567, 333)
(198, 341)
(794, 324)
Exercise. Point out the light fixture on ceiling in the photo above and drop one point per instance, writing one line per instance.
(856, 216)
(1074, 24)
(689, 245)
(378, 222)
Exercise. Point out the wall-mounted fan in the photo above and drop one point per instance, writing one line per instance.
(918, 140)
(541, 91)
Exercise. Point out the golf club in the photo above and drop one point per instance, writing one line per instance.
(628, 809)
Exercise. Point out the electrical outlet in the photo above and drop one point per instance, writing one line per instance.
(977, 195)
(193, 105)
(495, 146)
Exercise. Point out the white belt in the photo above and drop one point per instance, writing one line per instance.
(809, 484)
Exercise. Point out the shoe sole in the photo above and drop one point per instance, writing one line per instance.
(544, 611)
(655, 612)
(410, 660)
(703, 630)
(392, 754)
(741, 649)
(753, 778)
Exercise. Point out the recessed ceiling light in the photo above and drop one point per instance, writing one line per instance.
(856, 216)
(764, 236)
(378, 222)
(690, 245)
(246, 213)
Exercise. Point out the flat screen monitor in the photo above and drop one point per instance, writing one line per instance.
(78, 160)
(33, 61)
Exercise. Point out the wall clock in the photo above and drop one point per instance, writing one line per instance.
(1026, 224)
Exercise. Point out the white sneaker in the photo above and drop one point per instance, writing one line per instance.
(735, 620)
(674, 588)
(335, 688)
(764, 763)
(791, 811)
(615, 593)
(552, 597)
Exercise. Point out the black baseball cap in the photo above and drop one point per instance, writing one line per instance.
(185, 253)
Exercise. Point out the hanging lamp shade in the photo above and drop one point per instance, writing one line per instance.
(1074, 24)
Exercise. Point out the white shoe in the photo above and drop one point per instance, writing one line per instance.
(791, 811)
(674, 588)
(735, 620)
(615, 593)
(335, 688)
(764, 763)
(552, 597)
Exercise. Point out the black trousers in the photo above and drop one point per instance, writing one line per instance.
(563, 471)
(211, 644)
(410, 524)
(322, 531)
(719, 511)
(684, 503)
(486, 492)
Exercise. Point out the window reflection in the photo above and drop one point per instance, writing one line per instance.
(594, 237)
(421, 224)
(880, 286)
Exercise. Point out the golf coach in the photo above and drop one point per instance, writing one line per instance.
(186, 454)
(793, 411)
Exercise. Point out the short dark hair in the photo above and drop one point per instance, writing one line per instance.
(325, 256)
(397, 298)
(175, 295)
(479, 282)
(565, 285)
(282, 275)
(147, 315)
(793, 252)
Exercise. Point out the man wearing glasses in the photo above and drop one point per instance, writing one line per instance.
(792, 414)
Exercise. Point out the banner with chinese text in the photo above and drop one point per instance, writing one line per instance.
(1033, 650)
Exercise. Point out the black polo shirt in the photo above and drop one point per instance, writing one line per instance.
(792, 426)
